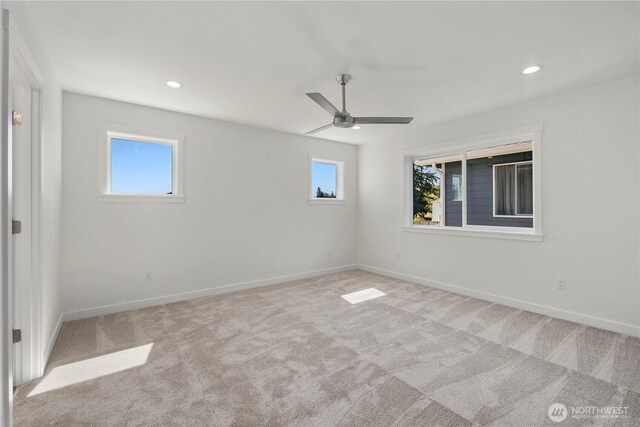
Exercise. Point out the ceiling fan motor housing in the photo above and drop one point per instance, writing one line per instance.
(346, 121)
(343, 79)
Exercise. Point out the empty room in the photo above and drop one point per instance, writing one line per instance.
(330, 213)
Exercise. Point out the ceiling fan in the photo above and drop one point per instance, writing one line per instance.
(343, 119)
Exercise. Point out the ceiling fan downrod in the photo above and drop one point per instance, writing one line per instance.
(343, 79)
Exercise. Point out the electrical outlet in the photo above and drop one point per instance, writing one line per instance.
(148, 276)
(397, 257)
(329, 254)
(561, 283)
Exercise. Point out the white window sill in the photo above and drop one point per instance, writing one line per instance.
(139, 198)
(327, 201)
(489, 234)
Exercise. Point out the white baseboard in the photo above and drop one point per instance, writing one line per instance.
(52, 342)
(149, 302)
(623, 328)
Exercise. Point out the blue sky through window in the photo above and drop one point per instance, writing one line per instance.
(323, 175)
(141, 167)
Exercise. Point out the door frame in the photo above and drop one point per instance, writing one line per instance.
(15, 51)
(25, 206)
(32, 362)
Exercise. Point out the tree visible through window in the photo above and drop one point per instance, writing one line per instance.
(426, 194)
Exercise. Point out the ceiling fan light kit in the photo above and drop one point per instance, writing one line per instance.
(342, 119)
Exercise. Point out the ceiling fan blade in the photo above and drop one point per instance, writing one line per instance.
(319, 129)
(382, 120)
(324, 103)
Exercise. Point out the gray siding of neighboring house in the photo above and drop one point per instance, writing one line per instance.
(452, 210)
(480, 193)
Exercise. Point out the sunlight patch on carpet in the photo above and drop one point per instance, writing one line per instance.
(96, 367)
(363, 295)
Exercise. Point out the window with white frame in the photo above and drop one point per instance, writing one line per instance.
(326, 180)
(456, 187)
(141, 167)
(513, 189)
(475, 186)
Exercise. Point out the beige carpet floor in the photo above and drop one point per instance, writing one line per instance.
(298, 354)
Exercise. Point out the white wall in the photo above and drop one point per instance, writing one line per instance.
(590, 212)
(24, 32)
(246, 216)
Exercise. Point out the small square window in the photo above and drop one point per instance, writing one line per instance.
(326, 180)
(141, 167)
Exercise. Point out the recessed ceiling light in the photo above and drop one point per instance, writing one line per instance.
(532, 69)
(355, 127)
(173, 84)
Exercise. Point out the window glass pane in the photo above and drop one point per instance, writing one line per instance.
(141, 167)
(323, 179)
(431, 204)
(525, 189)
(427, 205)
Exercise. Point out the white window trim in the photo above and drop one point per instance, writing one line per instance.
(110, 131)
(339, 199)
(461, 146)
(516, 215)
(504, 233)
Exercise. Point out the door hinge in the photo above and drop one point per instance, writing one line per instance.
(17, 335)
(16, 118)
(16, 227)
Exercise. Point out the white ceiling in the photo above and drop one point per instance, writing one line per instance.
(252, 63)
